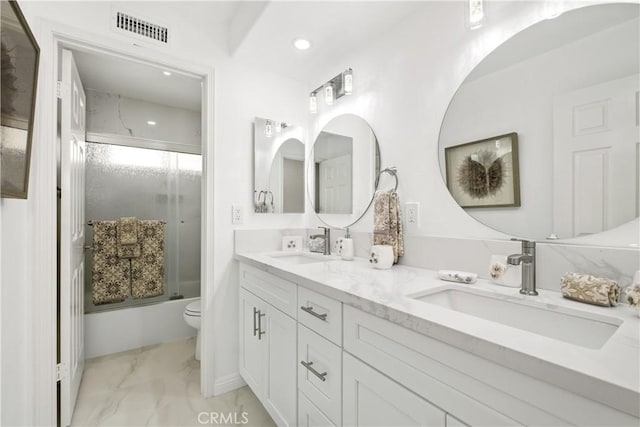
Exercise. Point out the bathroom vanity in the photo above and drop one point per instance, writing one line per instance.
(331, 342)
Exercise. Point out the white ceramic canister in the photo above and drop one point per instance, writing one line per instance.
(381, 256)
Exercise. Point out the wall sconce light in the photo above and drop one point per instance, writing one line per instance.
(337, 87)
(475, 13)
(268, 129)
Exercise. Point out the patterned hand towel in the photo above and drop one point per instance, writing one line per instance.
(387, 222)
(127, 232)
(110, 274)
(590, 289)
(147, 271)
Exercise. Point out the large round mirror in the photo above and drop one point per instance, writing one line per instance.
(541, 140)
(343, 166)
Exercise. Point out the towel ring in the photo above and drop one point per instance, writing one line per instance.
(393, 171)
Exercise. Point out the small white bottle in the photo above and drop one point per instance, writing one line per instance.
(347, 246)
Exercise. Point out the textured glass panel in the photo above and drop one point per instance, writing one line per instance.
(148, 184)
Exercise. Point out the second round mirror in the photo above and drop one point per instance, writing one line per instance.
(343, 165)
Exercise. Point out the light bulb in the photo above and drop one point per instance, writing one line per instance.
(268, 129)
(347, 81)
(476, 13)
(328, 94)
(313, 103)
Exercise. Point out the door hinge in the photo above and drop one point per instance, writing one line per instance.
(59, 87)
(61, 372)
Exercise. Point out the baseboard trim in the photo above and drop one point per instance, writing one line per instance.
(228, 383)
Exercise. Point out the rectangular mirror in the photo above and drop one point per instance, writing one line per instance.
(278, 162)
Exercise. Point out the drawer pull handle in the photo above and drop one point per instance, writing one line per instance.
(313, 313)
(307, 365)
(260, 331)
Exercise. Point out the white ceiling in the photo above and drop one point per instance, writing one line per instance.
(334, 28)
(257, 33)
(138, 81)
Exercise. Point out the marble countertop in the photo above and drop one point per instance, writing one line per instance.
(610, 374)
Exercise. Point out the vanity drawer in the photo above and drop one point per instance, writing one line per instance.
(310, 416)
(320, 372)
(278, 292)
(321, 314)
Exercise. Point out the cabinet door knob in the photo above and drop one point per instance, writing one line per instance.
(309, 310)
(307, 365)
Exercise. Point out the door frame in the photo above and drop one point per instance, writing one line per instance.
(53, 37)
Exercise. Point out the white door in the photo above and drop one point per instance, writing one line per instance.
(596, 145)
(251, 341)
(280, 388)
(72, 158)
(372, 399)
(335, 185)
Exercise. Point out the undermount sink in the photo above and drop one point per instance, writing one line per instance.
(572, 326)
(300, 258)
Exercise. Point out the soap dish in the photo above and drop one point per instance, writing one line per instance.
(457, 276)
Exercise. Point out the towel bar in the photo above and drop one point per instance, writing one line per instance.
(90, 223)
(393, 171)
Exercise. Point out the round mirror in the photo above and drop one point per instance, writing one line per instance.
(278, 167)
(343, 165)
(541, 139)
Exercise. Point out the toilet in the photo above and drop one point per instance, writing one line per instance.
(192, 317)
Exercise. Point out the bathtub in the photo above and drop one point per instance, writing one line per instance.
(113, 331)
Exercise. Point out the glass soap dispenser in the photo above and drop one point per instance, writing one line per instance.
(347, 246)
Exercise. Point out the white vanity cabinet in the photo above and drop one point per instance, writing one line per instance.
(372, 399)
(268, 344)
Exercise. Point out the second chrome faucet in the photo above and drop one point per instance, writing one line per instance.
(528, 260)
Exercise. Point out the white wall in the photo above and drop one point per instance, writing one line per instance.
(403, 83)
(241, 93)
(520, 99)
(117, 114)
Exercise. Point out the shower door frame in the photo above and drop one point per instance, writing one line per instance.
(56, 36)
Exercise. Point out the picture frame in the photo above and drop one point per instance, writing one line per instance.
(20, 55)
(484, 173)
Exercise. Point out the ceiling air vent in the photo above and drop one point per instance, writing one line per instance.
(140, 28)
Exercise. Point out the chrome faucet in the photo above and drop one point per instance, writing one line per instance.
(326, 239)
(528, 260)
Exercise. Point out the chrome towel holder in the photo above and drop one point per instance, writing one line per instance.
(393, 171)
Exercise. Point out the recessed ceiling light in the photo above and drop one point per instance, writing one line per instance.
(301, 44)
(151, 123)
(166, 73)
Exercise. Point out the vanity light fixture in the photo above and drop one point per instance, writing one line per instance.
(166, 73)
(268, 129)
(337, 87)
(301, 44)
(151, 123)
(475, 10)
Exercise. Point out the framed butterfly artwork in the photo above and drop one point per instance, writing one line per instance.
(484, 173)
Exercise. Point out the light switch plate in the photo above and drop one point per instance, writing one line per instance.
(292, 243)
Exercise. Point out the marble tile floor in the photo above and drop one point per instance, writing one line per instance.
(158, 385)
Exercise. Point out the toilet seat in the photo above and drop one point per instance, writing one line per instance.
(193, 309)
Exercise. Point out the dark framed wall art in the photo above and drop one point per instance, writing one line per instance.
(484, 173)
(20, 55)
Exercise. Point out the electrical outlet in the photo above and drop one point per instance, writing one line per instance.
(412, 216)
(236, 214)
